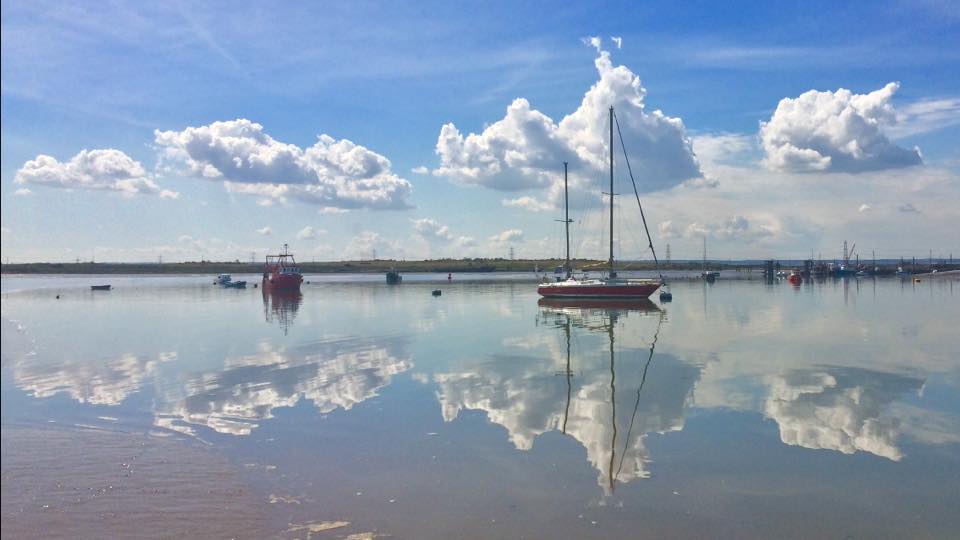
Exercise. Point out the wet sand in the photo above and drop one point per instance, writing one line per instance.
(85, 483)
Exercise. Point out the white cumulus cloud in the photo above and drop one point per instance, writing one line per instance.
(265, 231)
(370, 245)
(102, 169)
(592, 41)
(509, 235)
(526, 148)
(834, 131)
(309, 233)
(466, 242)
(331, 173)
(528, 203)
(734, 227)
(430, 229)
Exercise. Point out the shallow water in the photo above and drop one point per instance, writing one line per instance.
(739, 409)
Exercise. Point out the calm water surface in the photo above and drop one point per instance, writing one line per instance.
(741, 409)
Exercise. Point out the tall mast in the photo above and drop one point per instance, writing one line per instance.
(566, 213)
(704, 253)
(612, 274)
(566, 219)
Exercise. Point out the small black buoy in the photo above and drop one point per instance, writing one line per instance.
(436, 292)
(58, 297)
(308, 283)
(254, 285)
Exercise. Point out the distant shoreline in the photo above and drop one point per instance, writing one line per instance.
(426, 266)
(332, 267)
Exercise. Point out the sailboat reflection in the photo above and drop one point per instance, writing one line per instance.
(601, 383)
(602, 315)
(281, 305)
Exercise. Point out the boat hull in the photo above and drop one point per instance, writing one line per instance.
(598, 290)
(283, 281)
(613, 304)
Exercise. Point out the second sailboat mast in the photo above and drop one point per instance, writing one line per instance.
(612, 273)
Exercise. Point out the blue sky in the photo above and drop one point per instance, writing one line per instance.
(201, 128)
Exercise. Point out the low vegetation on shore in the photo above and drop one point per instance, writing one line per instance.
(380, 265)
(426, 266)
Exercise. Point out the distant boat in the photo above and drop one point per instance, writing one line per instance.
(282, 272)
(605, 287)
(795, 278)
(223, 279)
(708, 275)
(235, 285)
(100, 287)
(393, 276)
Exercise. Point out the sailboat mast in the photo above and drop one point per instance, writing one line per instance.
(704, 253)
(611, 192)
(566, 214)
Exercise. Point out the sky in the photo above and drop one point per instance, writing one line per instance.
(180, 131)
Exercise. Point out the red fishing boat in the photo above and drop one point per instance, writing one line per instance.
(795, 278)
(609, 286)
(282, 272)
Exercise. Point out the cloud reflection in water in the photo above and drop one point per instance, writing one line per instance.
(839, 409)
(97, 382)
(337, 374)
(614, 398)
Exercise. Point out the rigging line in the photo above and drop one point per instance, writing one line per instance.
(636, 405)
(613, 407)
(569, 374)
(656, 263)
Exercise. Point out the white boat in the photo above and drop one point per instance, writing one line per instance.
(610, 286)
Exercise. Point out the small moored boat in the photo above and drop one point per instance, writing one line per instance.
(100, 287)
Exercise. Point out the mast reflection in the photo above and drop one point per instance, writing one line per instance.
(280, 306)
(602, 315)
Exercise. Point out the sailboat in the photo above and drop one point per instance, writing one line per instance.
(604, 287)
(711, 275)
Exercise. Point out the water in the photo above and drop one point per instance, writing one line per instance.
(739, 409)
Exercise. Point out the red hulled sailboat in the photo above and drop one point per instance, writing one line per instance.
(610, 286)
